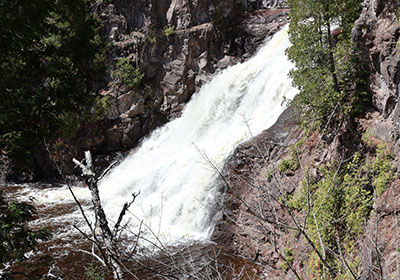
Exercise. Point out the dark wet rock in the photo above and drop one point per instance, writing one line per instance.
(249, 166)
(174, 65)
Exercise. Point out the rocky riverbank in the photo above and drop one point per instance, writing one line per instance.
(177, 46)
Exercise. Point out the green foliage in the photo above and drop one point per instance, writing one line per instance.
(151, 36)
(51, 57)
(168, 30)
(71, 124)
(357, 200)
(126, 74)
(327, 73)
(288, 253)
(269, 174)
(217, 17)
(288, 164)
(292, 163)
(15, 236)
(93, 272)
(340, 204)
(337, 207)
(380, 169)
(298, 201)
(100, 107)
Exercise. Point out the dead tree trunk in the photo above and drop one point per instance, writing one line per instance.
(111, 252)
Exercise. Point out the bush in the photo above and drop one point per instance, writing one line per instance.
(292, 163)
(15, 235)
(217, 17)
(168, 30)
(151, 36)
(93, 272)
(126, 74)
(339, 205)
(288, 164)
(100, 107)
(289, 256)
(380, 169)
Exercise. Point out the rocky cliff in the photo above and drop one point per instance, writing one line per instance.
(377, 35)
(255, 168)
(177, 45)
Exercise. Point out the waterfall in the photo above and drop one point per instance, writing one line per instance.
(178, 193)
(176, 184)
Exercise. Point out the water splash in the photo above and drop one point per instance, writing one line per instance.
(176, 186)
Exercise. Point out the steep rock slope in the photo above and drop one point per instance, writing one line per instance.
(255, 168)
(377, 34)
(176, 45)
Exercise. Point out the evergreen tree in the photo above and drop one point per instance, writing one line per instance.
(327, 72)
(50, 56)
(15, 235)
(16, 238)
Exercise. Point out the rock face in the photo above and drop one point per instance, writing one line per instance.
(211, 35)
(252, 176)
(205, 36)
(177, 45)
(248, 173)
(376, 34)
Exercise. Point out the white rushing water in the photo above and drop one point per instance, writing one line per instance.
(175, 182)
(177, 186)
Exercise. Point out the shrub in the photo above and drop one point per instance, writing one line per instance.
(292, 163)
(340, 203)
(168, 30)
(100, 107)
(15, 235)
(126, 74)
(380, 169)
(93, 272)
(288, 164)
(289, 256)
(151, 36)
(217, 17)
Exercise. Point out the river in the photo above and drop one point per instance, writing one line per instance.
(174, 169)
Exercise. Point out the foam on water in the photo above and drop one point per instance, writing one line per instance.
(176, 184)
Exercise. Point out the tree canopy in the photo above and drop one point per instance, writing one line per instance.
(50, 57)
(326, 68)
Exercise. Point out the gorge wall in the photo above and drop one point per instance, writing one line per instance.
(203, 37)
(178, 45)
(254, 168)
